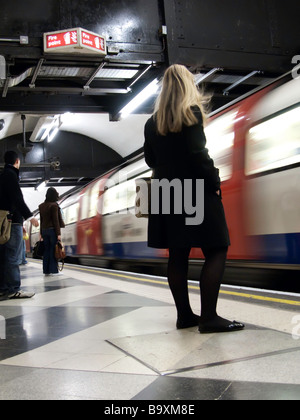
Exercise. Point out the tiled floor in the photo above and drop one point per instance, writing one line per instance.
(91, 335)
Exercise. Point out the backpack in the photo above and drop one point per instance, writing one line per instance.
(5, 227)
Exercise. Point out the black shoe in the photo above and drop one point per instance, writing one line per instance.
(188, 323)
(210, 329)
(21, 294)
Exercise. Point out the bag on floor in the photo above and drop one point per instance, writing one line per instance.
(5, 227)
(38, 250)
(60, 255)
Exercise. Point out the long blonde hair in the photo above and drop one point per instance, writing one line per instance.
(178, 95)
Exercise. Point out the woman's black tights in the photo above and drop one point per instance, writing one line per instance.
(210, 281)
(177, 278)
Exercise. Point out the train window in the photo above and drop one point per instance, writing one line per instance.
(274, 143)
(220, 140)
(70, 208)
(65, 214)
(94, 199)
(71, 213)
(85, 204)
(116, 198)
(121, 196)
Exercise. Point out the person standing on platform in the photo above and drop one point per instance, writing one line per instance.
(12, 200)
(175, 148)
(50, 229)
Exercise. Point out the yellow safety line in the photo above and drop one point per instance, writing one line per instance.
(265, 298)
(120, 275)
(224, 292)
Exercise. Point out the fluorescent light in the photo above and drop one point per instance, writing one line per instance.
(52, 134)
(145, 94)
(41, 186)
(44, 128)
(46, 132)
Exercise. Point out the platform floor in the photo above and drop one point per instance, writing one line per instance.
(92, 334)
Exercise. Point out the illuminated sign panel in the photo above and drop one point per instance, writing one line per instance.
(74, 41)
(61, 39)
(88, 39)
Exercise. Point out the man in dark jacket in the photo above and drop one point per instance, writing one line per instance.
(11, 199)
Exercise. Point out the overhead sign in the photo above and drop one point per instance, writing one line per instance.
(74, 41)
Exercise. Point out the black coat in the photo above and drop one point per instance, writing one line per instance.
(11, 197)
(183, 156)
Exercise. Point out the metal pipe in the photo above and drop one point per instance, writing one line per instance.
(91, 91)
(2, 68)
(5, 88)
(36, 72)
(9, 40)
(23, 39)
(139, 76)
(23, 118)
(207, 75)
(33, 165)
(240, 81)
(94, 74)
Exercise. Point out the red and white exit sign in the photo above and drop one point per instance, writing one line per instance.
(74, 41)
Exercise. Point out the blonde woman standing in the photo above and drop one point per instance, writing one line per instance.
(175, 148)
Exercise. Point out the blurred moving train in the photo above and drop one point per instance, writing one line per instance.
(255, 143)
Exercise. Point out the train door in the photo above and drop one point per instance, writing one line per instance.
(89, 227)
(224, 147)
(70, 209)
(236, 190)
(272, 169)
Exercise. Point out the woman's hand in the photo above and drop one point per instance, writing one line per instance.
(59, 238)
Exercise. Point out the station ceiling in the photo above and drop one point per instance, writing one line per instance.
(232, 48)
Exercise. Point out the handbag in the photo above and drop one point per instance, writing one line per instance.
(60, 255)
(143, 197)
(5, 227)
(38, 250)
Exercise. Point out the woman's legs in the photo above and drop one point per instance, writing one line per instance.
(46, 256)
(177, 278)
(210, 282)
(49, 261)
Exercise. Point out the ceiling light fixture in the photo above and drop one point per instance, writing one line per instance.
(52, 133)
(145, 94)
(46, 128)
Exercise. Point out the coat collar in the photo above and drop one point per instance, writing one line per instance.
(11, 167)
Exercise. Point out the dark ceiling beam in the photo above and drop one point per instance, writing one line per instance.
(53, 104)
